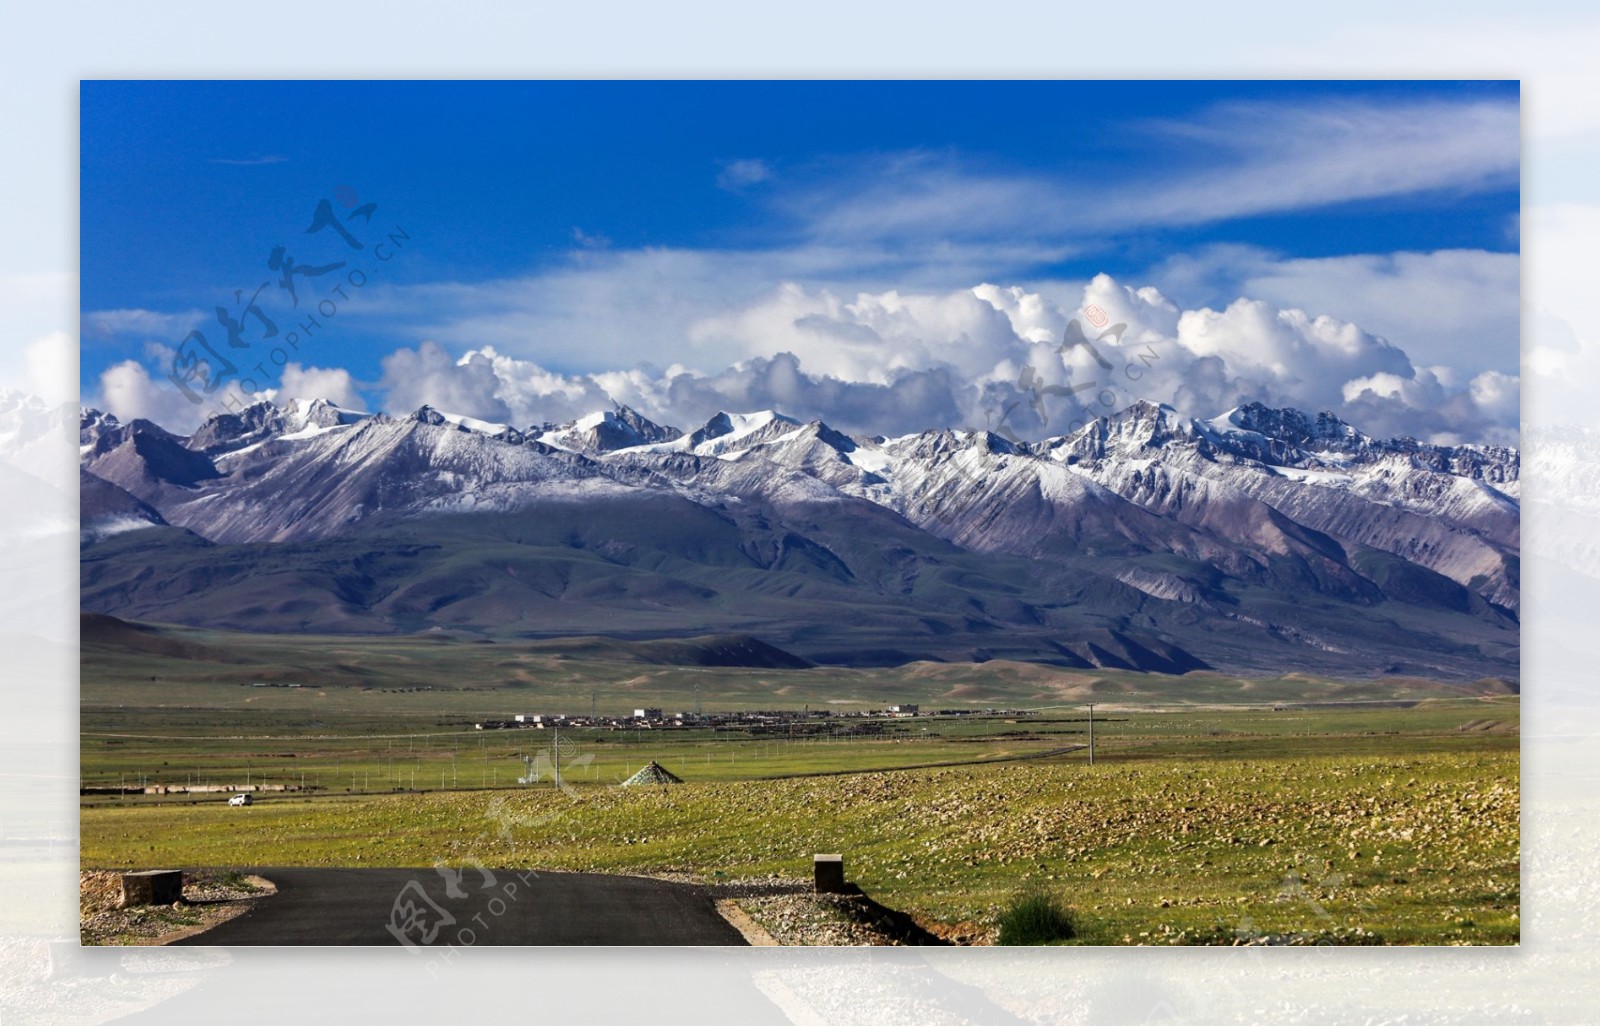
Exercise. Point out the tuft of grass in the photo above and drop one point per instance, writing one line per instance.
(1036, 918)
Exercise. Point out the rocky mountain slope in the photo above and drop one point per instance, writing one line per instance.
(1128, 543)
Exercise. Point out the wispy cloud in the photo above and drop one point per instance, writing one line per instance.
(269, 158)
(141, 323)
(1235, 160)
(1279, 158)
(741, 174)
(590, 240)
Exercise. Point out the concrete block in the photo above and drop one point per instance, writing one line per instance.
(828, 870)
(152, 888)
(64, 958)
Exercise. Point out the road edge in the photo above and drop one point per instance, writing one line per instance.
(268, 889)
(742, 922)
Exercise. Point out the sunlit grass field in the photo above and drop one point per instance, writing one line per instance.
(1403, 849)
(1217, 810)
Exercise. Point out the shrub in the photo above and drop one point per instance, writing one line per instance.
(1036, 918)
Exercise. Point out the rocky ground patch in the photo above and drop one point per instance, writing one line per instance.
(209, 898)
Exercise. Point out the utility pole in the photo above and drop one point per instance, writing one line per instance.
(1091, 734)
(555, 756)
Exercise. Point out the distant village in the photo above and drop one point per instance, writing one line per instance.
(788, 722)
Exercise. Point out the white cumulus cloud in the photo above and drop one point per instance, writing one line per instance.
(333, 384)
(1448, 306)
(127, 390)
(992, 355)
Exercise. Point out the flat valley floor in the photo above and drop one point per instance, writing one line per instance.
(1217, 811)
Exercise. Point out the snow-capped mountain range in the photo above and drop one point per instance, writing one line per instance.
(1128, 542)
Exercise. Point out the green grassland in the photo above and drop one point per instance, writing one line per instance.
(354, 755)
(1217, 808)
(1405, 849)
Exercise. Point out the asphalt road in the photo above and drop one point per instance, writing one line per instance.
(421, 908)
(692, 985)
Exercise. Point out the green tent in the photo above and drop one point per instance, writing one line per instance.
(653, 774)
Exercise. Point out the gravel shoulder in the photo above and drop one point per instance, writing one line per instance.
(788, 911)
(210, 897)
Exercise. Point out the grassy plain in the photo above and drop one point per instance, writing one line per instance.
(1217, 808)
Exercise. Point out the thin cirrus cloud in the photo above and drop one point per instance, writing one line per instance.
(1236, 160)
(270, 158)
(101, 325)
(1306, 157)
(741, 174)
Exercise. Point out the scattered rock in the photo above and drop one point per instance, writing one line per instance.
(209, 898)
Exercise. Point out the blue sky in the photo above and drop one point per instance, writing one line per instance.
(687, 245)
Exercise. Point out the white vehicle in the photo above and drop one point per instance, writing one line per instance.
(240, 800)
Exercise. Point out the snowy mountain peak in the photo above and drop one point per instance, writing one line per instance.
(92, 422)
(718, 426)
(1291, 428)
(605, 431)
(724, 425)
(428, 415)
(632, 428)
(727, 432)
(1146, 417)
(223, 432)
(301, 414)
(588, 422)
(1125, 434)
(1144, 410)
